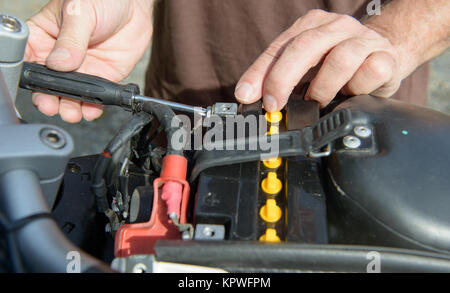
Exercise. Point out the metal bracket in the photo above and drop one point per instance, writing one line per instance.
(147, 263)
(43, 149)
(325, 153)
(209, 232)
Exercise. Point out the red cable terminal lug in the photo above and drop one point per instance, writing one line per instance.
(140, 238)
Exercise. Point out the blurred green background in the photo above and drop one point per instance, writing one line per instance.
(91, 137)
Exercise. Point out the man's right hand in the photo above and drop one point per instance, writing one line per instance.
(99, 37)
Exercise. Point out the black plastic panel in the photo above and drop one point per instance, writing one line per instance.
(401, 196)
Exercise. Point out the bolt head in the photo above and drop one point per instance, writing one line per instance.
(208, 232)
(53, 138)
(352, 142)
(10, 24)
(140, 268)
(363, 131)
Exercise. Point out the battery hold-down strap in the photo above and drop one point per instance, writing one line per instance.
(314, 141)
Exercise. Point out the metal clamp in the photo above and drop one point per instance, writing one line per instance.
(43, 149)
(325, 153)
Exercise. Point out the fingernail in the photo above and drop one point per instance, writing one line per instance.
(243, 91)
(34, 99)
(59, 54)
(270, 103)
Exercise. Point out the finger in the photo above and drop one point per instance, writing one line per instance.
(249, 87)
(91, 111)
(73, 39)
(339, 67)
(39, 44)
(70, 110)
(302, 54)
(47, 104)
(374, 76)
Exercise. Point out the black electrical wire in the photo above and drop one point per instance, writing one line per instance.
(131, 128)
(12, 247)
(170, 123)
(156, 133)
(9, 229)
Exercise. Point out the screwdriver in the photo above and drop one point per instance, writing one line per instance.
(93, 89)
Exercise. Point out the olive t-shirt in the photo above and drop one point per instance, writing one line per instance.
(202, 47)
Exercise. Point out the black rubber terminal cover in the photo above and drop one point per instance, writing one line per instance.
(401, 196)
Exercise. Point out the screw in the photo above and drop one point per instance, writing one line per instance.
(140, 268)
(53, 138)
(362, 131)
(208, 232)
(10, 24)
(74, 168)
(352, 142)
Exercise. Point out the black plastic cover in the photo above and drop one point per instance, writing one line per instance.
(400, 196)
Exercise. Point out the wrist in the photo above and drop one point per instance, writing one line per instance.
(147, 4)
(418, 31)
(408, 58)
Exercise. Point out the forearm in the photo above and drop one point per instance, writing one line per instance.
(419, 29)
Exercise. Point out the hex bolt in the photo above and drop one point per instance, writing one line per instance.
(362, 131)
(140, 268)
(10, 24)
(53, 138)
(352, 142)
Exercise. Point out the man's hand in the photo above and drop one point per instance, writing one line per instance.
(99, 37)
(356, 59)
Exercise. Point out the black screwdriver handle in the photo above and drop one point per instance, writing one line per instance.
(79, 86)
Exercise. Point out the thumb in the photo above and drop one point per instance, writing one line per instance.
(77, 26)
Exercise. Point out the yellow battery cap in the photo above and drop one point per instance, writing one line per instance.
(272, 163)
(270, 212)
(271, 184)
(270, 236)
(274, 117)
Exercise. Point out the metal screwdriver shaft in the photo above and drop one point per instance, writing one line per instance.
(175, 106)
